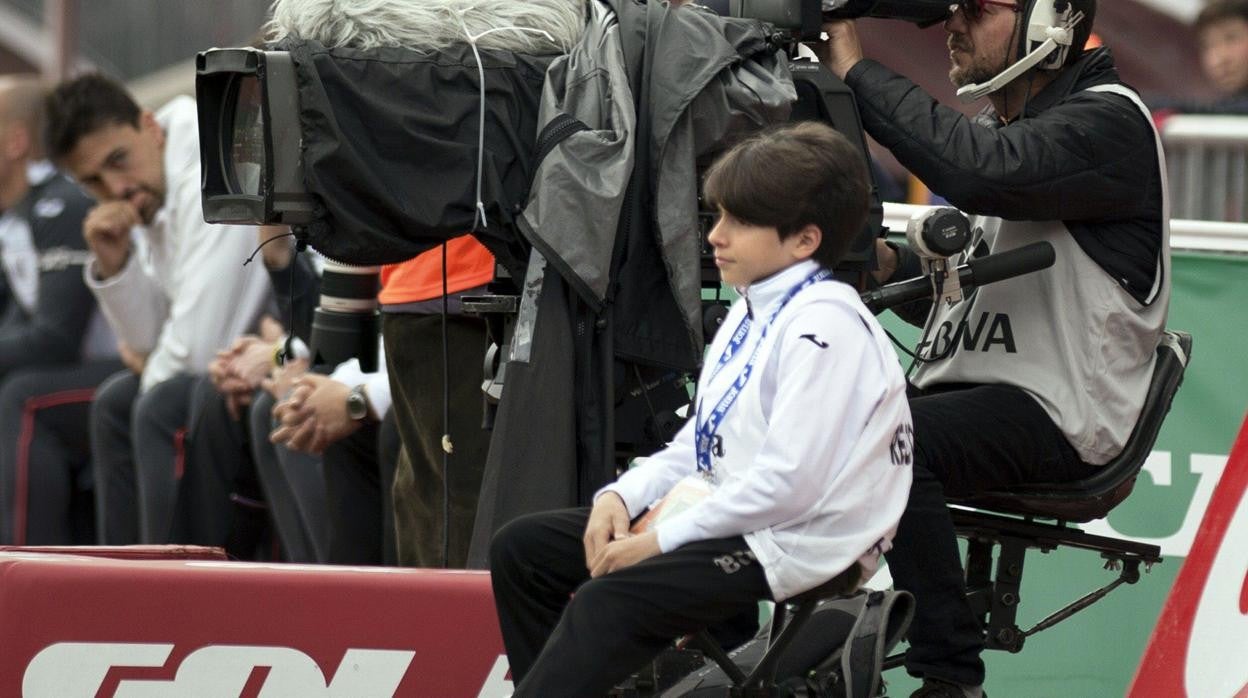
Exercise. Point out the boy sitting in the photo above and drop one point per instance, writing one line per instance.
(800, 444)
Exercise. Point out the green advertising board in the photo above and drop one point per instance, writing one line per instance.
(1096, 652)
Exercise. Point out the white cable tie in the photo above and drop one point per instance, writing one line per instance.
(447, 445)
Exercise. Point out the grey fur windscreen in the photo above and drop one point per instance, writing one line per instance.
(554, 25)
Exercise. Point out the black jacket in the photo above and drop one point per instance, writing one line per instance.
(1073, 156)
(53, 329)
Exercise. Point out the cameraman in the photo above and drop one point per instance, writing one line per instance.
(1039, 378)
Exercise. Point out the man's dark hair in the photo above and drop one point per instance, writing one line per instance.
(79, 107)
(791, 176)
(1084, 29)
(1221, 10)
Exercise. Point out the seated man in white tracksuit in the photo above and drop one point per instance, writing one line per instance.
(794, 468)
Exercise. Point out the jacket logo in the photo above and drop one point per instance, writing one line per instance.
(990, 329)
(814, 341)
(901, 450)
(732, 562)
(49, 208)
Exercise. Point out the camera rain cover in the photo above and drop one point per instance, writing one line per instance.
(391, 141)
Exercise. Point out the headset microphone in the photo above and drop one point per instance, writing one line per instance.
(1048, 31)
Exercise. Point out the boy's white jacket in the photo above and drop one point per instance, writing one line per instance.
(817, 450)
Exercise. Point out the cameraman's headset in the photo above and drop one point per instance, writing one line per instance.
(1048, 32)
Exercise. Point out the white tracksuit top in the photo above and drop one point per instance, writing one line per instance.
(816, 451)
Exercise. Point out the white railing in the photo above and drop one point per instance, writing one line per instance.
(1207, 159)
(1203, 236)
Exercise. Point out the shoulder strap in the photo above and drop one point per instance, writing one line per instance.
(1124, 91)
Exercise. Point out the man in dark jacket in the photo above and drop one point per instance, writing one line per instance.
(55, 348)
(1039, 378)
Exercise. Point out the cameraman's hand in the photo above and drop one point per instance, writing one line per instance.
(276, 255)
(886, 261)
(106, 230)
(314, 416)
(842, 50)
(608, 521)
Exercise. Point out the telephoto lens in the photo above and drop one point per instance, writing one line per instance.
(347, 324)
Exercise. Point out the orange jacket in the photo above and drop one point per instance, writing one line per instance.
(420, 278)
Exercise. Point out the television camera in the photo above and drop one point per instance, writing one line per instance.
(256, 141)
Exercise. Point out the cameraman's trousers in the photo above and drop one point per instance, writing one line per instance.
(968, 439)
(614, 624)
(423, 488)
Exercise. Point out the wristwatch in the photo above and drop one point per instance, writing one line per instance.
(357, 404)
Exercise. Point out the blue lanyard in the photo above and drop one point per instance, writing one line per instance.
(706, 429)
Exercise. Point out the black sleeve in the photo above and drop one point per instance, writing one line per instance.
(55, 330)
(297, 288)
(1078, 160)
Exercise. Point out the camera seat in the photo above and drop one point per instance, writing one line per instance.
(1040, 516)
(828, 641)
(787, 621)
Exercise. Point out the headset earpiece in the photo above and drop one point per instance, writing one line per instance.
(1043, 20)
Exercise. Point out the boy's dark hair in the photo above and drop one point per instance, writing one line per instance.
(791, 176)
(79, 107)
(1221, 10)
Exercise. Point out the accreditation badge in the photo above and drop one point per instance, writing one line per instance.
(683, 495)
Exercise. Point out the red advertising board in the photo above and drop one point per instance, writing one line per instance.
(1200, 645)
(74, 626)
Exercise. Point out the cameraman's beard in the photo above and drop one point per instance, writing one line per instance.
(977, 71)
(973, 74)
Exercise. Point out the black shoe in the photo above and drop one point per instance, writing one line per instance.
(935, 688)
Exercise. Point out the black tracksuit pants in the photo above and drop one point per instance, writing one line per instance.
(613, 624)
(967, 439)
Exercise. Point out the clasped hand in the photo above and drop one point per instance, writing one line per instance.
(314, 415)
(609, 546)
(238, 371)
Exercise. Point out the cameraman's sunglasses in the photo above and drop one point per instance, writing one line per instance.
(974, 9)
